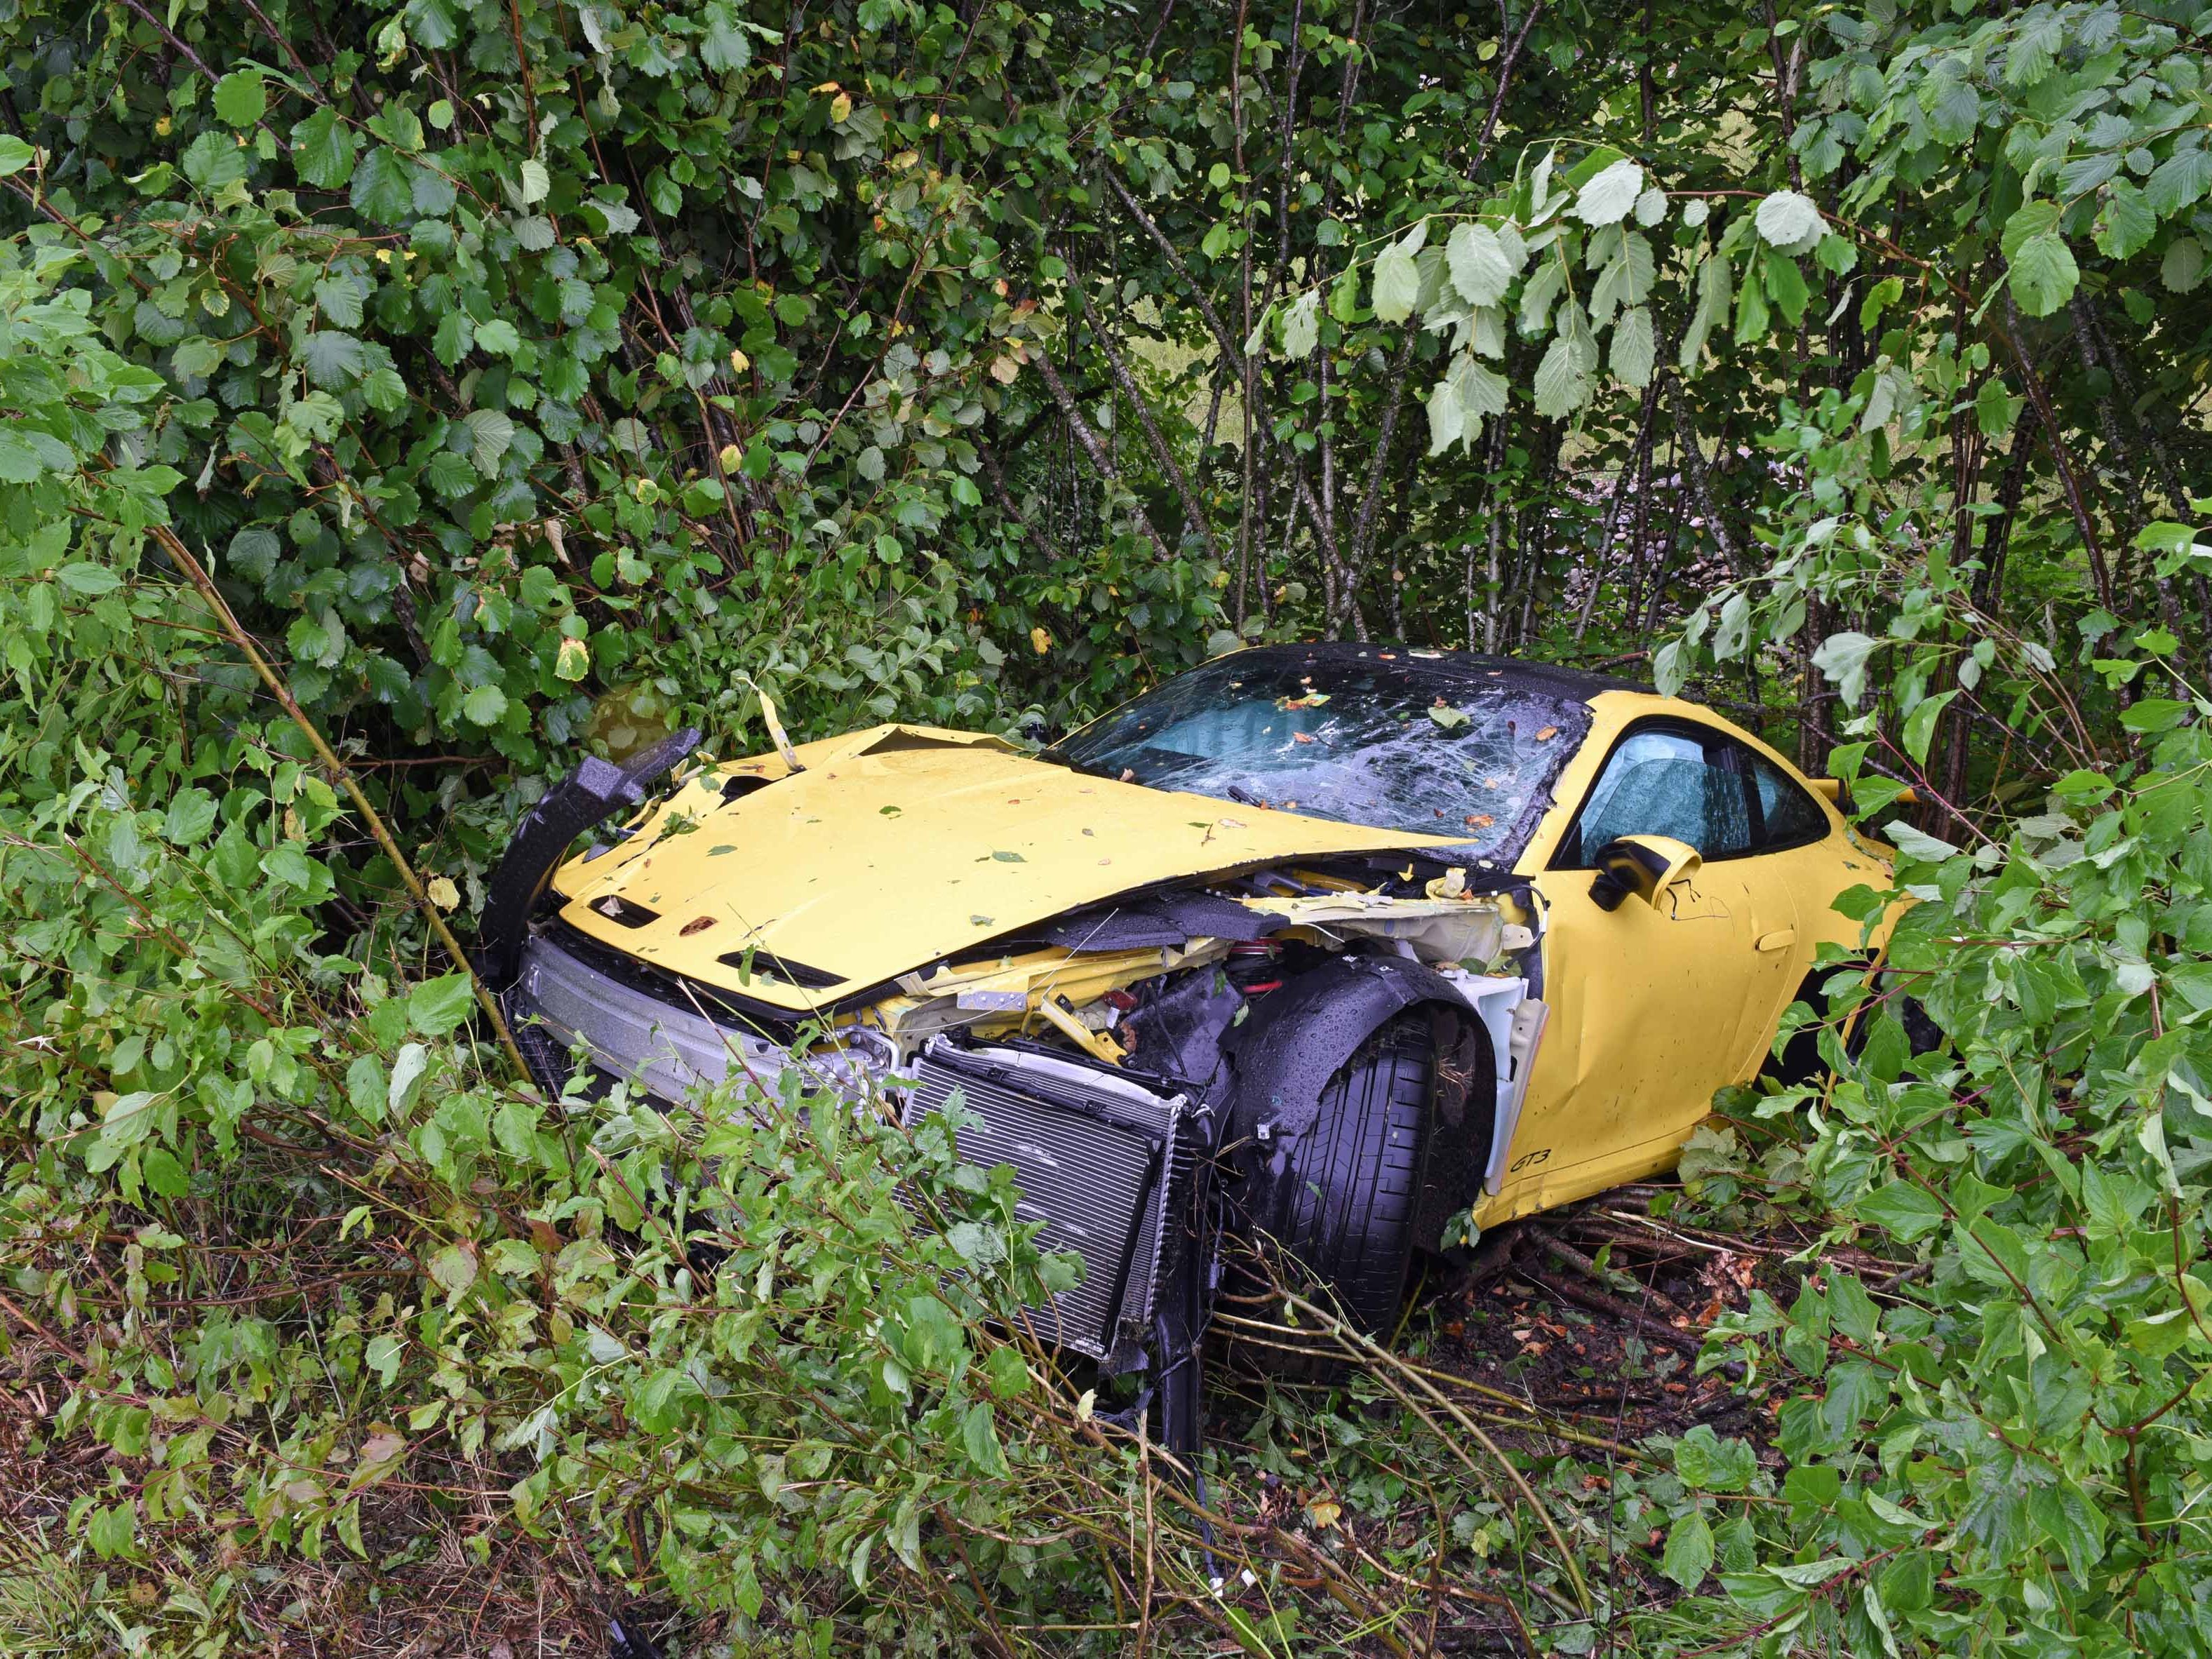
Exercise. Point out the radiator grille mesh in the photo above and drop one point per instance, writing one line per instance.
(1098, 1164)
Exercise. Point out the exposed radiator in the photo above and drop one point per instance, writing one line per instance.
(1104, 1162)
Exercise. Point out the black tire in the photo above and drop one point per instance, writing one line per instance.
(1346, 1219)
(1801, 1063)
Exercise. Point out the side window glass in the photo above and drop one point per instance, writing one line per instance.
(1666, 783)
(1790, 815)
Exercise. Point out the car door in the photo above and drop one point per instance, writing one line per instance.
(1652, 1007)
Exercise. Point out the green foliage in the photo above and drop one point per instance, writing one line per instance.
(534, 379)
(2008, 1417)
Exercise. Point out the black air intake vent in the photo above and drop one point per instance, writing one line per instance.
(1103, 1160)
(801, 973)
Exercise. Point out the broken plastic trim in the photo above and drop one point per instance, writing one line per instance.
(582, 801)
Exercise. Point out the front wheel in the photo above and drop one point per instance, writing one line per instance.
(1345, 1215)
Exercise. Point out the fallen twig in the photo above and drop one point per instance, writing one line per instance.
(1584, 1265)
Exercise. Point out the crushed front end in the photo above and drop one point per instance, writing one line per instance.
(1147, 1061)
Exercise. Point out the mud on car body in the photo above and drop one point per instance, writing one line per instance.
(1341, 945)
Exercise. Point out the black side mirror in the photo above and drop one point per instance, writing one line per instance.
(1645, 866)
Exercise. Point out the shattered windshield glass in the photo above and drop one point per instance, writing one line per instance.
(1400, 742)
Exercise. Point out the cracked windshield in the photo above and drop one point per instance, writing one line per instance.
(1388, 741)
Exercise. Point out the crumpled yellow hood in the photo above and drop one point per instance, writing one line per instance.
(896, 847)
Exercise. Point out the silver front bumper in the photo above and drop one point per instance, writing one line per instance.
(669, 1050)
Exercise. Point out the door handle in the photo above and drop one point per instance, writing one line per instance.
(1780, 940)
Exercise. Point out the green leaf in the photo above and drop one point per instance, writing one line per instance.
(1919, 728)
(1302, 324)
(1635, 347)
(725, 48)
(2028, 220)
(1995, 410)
(1785, 285)
(1543, 286)
(89, 580)
(240, 98)
(1607, 198)
(979, 1437)
(1447, 420)
(1807, 1574)
(409, 1068)
(1482, 391)
(367, 1087)
(323, 150)
(1689, 1554)
(1397, 282)
(2043, 274)
(383, 188)
(486, 705)
(2183, 268)
(1481, 266)
(334, 360)
(2155, 715)
(1751, 315)
(2124, 222)
(500, 339)
(1790, 220)
(1008, 1376)
(437, 1006)
(1903, 1209)
(2179, 181)
(1708, 1462)
(1916, 843)
(1713, 295)
(490, 434)
(15, 155)
(190, 818)
(338, 297)
(1563, 381)
(215, 160)
(453, 1269)
(164, 1174)
(454, 334)
(110, 1530)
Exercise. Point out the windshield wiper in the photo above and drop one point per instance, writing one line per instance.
(1052, 756)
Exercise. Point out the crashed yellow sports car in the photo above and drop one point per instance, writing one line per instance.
(1341, 945)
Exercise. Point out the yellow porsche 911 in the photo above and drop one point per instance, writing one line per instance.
(1332, 944)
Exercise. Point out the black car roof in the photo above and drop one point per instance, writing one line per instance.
(1470, 667)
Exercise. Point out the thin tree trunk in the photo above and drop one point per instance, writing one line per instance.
(1194, 514)
(1694, 469)
(1091, 447)
(1637, 455)
(2054, 437)
(1363, 530)
(2169, 478)
(2122, 467)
